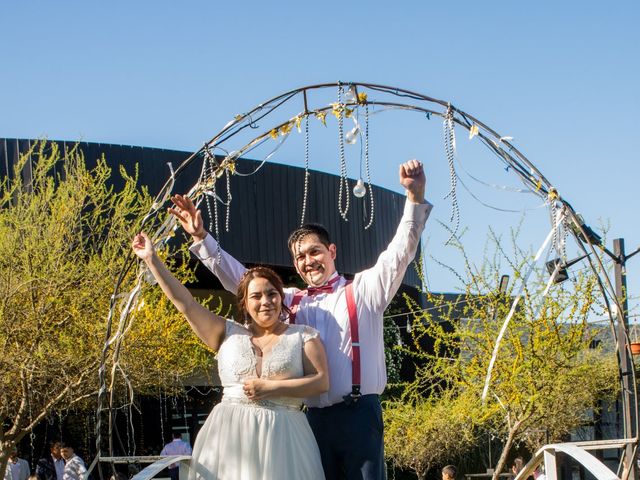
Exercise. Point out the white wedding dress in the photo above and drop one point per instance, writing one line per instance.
(263, 440)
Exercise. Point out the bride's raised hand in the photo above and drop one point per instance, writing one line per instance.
(142, 246)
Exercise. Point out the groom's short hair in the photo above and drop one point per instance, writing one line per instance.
(309, 229)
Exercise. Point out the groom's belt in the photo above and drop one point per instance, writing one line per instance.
(344, 403)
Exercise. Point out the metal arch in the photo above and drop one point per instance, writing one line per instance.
(248, 119)
(527, 172)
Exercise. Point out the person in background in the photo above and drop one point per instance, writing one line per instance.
(74, 467)
(176, 447)
(17, 468)
(516, 466)
(51, 467)
(449, 472)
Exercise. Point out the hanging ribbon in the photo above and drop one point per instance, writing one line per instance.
(513, 310)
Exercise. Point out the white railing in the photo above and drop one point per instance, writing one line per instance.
(579, 451)
(157, 464)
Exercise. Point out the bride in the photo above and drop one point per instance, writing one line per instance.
(266, 367)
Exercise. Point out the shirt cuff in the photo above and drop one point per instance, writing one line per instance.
(204, 248)
(418, 212)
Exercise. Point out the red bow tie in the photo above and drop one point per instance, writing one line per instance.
(326, 288)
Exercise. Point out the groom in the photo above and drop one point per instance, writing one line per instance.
(347, 420)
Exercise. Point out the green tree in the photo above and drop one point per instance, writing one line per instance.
(64, 234)
(545, 349)
(424, 433)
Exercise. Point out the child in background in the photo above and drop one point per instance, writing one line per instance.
(449, 472)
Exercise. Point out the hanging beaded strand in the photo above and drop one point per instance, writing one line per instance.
(161, 418)
(450, 150)
(208, 178)
(229, 198)
(213, 219)
(184, 412)
(131, 433)
(344, 182)
(141, 437)
(561, 233)
(366, 164)
(565, 233)
(306, 170)
(553, 218)
(32, 434)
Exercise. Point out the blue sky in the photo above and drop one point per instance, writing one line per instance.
(560, 77)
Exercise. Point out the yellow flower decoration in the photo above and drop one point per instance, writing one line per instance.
(219, 171)
(237, 117)
(208, 185)
(322, 116)
(538, 185)
(298, 121)
(362, 97)
(231, 166)
(286, 128)
(274, 134)
(473, 131)
(336, 109)
(348, 112)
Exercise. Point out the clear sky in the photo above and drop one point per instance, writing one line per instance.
(560, 77)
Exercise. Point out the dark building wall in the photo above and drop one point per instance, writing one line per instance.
(265, 206)
(264, 209)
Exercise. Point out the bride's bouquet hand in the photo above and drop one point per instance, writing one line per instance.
(257, 389)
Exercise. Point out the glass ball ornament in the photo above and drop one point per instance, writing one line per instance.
(359, 190)
(351, 96)
(351, 136)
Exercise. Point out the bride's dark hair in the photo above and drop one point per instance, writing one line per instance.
(259, 272)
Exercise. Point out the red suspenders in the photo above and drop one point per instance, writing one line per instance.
(355, 346)
(355, 337)
(294, 305)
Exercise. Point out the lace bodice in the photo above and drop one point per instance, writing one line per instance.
(237, 361)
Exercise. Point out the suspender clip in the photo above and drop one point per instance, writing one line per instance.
(354, 396)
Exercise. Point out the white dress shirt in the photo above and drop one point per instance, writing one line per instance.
(373, 290)
(74, 468)
(18, 470)
(176, 447)
(59, 464)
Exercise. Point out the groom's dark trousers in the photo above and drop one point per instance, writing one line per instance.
(350, 438)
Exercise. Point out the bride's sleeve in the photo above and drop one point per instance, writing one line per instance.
(309, 333)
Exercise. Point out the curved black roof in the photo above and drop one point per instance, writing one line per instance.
(265, 207)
